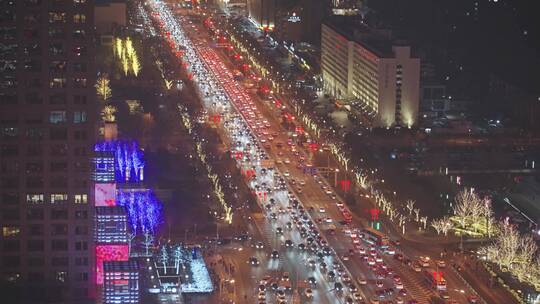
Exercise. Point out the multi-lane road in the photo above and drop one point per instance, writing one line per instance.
(251, 124)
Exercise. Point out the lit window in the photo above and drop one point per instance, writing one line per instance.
(79, 82)
(79, 116)
(81, 199)
(79, 18)
(59, 198)
(57, 83)
(57, 117)
(8, 231)
(35, 199)
(57, 17)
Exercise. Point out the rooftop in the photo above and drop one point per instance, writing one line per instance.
(377, 41)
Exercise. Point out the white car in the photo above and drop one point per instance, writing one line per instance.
(287, 161)
(322, 210)
(286, 173)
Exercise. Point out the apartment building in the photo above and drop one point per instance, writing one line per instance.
(48, 117)
(366, 66)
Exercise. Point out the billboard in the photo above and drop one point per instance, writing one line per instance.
(105, 194)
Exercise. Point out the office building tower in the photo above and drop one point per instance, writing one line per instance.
(48, 117)
(379, 76)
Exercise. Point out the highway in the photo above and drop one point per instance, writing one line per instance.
(275, 162)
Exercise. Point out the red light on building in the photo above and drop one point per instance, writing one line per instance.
(109, 253)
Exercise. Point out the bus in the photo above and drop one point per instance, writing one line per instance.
(376, 237)
(435, 279)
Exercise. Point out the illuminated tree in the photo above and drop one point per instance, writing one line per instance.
(135, 65)
(108, 113)
(424, 220)
(130, 51)
(409, 204)
(446, 225)
(125, 64)
(437, 225)
(164, 258)
(148, 241)
(118, 47)
(103, 88)
(131, 236)
(417, 214)
(177, 255)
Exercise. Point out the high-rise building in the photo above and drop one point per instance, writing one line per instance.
(262, 12)
(368, 67)
(121, 282)
(47, 132)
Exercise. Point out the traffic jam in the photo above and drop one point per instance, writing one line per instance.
(296, 231)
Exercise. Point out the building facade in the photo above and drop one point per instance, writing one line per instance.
(47, 132)
(383, 77)
(121, 282)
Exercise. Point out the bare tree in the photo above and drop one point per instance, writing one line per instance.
(130, 238)
(446, 225)
(424, 220)
(409, 204)
(417, 214)
(437, 225)
(148, 241)
(164, 258)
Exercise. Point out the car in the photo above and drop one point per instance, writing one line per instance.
(472, 299)
(312, 281)
(361, 281)
(338, 286)
(286, 173)
(403, 292)
(346, 278)
(322, 210)
(259, 245)
(289, 244)
(302, 246)
(279, 231)
(357, 296)
(274, 255)
(286, 276)
(399, 300)
(352, 287)
(424, 261)
(345, 257)
(308, 293)
(444, 294)
(416, 267)
(275, 286)
(349, 300)
(379, 284)
(262, 287)
(253, 261)
(331, 275)
(311, 263)
(262, 295)
(288, 225)
(441, 264)
(399, 285)
(273, 216)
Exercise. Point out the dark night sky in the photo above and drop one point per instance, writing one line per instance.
(481, 37)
